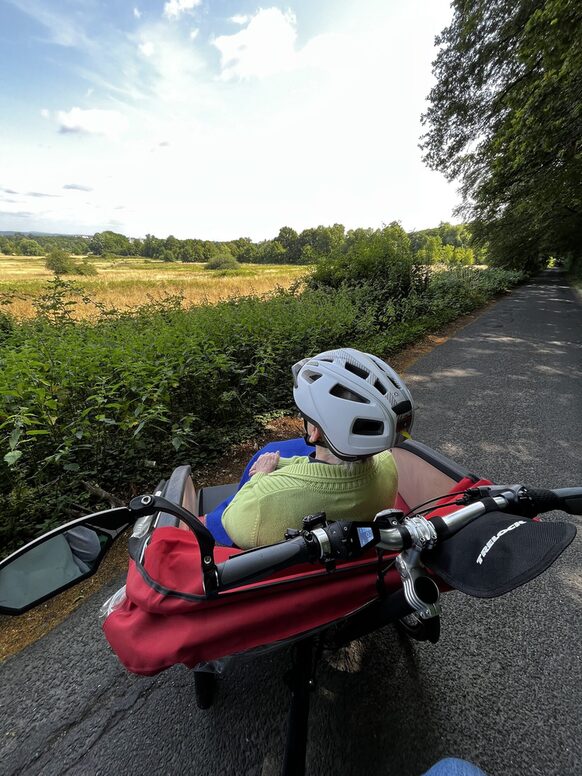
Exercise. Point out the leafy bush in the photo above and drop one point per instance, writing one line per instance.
(222, 262)
(383, 256)
(60, 262)
(6, 326)
(84, 268)
(380, 261)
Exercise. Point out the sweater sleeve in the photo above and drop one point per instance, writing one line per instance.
(242, 516)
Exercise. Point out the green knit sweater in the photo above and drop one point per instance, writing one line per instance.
(269, 503)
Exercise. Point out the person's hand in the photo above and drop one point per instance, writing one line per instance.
(266, 463)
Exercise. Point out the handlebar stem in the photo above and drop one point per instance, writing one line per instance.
(421, 592)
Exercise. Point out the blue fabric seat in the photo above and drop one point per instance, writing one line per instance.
(286, 449)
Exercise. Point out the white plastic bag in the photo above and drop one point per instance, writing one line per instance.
(112, 604)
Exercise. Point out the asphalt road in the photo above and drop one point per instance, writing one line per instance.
(503, 686)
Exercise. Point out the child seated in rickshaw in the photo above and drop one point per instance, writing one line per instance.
(354, 407)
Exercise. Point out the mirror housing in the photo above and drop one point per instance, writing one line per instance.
(59, 559)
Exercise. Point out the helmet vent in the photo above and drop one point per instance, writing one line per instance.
(393, 381)
(379, 387)
(311, 377)
(365, 427)
(345, 393)
(383, 368)
(356, 370)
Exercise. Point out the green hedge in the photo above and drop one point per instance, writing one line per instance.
(122, 401)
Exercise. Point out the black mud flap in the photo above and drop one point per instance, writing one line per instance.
(497, 553)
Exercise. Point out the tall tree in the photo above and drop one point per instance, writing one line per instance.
(288, 238)
(505, 119)
(110, 242)
(30, 247)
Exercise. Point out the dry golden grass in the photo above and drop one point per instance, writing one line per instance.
(128, 283)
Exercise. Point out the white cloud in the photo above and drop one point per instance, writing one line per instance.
(175, 72)
(147, 48)
(239, 18)
(109, 123)
(194, 33)
(77, 187)
(137, 13)
(45, 113)
(266, 46)
(174, 8)
(340, 125)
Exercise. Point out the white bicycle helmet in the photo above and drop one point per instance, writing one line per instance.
(359, 402)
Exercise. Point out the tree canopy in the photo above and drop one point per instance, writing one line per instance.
(505, 119)
(449, 243)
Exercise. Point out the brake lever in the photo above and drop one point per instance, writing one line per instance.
(516, 496)
(141, 506)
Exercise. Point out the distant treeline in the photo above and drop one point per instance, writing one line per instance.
(446, 243)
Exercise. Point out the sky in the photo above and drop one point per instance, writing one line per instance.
(216, 119)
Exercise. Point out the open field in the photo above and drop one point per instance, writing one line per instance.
(128, 282)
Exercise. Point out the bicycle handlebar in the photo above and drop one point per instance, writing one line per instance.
(255, 564)
(345, 540)
(568, 500)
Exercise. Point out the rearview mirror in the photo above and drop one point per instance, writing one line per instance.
(58, 560)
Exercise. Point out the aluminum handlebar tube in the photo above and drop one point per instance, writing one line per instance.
(390, 539)
(461, 517)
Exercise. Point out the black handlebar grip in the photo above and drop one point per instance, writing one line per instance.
(540, 500)
(570, 500)
(256, 564)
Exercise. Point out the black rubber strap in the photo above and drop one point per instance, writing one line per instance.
(441, 528)
(405, 536)
(490, 504)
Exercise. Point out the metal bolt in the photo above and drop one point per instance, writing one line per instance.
(207, 560)
(146, 500)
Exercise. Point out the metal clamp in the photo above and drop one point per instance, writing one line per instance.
(422, 533)
(421, 592)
